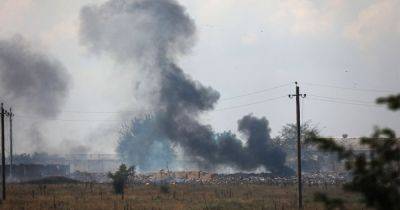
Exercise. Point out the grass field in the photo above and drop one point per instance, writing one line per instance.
(151, 197)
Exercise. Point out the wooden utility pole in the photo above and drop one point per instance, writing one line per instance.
(299, 180)
(11, 144)
(3, 156)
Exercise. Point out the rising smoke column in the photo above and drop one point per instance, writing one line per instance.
(150, 35)
(33, 83)
(30, 80)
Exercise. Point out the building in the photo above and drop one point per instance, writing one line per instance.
(92, 163)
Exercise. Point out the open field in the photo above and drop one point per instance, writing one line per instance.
(152, 197)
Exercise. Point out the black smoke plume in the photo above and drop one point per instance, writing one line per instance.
(34, 84)
(30, 80)
(150, 35)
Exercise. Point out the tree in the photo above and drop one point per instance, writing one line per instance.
(142, 144)
(288, 134)
(287, 139)
(375, 174)
(392, 101)
(120, 178)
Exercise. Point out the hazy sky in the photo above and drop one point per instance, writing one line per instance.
(344, 54)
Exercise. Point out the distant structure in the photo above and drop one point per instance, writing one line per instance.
(27, 172)
(37, 166)
(353, 143)
(330, 161)
(92, 163)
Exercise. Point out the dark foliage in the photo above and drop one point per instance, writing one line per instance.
(375, 174)
(120, 178)
(164, 188)
(392, 101)
(330, 203)
(287, 139)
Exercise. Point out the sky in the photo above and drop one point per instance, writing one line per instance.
(343, 54)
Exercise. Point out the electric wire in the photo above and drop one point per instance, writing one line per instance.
(310, 96)
(67, 120)
(120, 120)
(342, 102)
(350, 88)
(255, 92)
(223, 99)
(340, 99)
(249, 104)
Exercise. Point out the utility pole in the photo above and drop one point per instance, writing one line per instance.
(11, 143)
(3, 157)
(299, 182)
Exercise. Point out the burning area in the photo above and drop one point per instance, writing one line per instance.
(149, 37)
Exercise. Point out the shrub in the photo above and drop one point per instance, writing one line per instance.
(119, 179)
(164, 188)
(375, 174)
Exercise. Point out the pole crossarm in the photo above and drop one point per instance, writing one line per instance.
(297, 94)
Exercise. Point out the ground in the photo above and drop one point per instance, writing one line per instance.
(154, 197)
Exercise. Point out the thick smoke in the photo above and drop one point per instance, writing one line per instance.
(34, 84)
(32, 81)
(150, 35)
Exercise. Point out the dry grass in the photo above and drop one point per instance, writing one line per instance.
(180, 197)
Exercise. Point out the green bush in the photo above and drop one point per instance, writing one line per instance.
(164, 188)
(119, 179)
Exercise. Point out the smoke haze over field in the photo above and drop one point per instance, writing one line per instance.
(237, 47)
(149, 36)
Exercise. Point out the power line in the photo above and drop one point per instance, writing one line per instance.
(98, 112)
(120, 120)
(249, 104)
(341, 102)
(340, 99)
(314, 97)
(239, 96)
(130, 111)
(352, 89)
(65, 120)
(255, 92)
